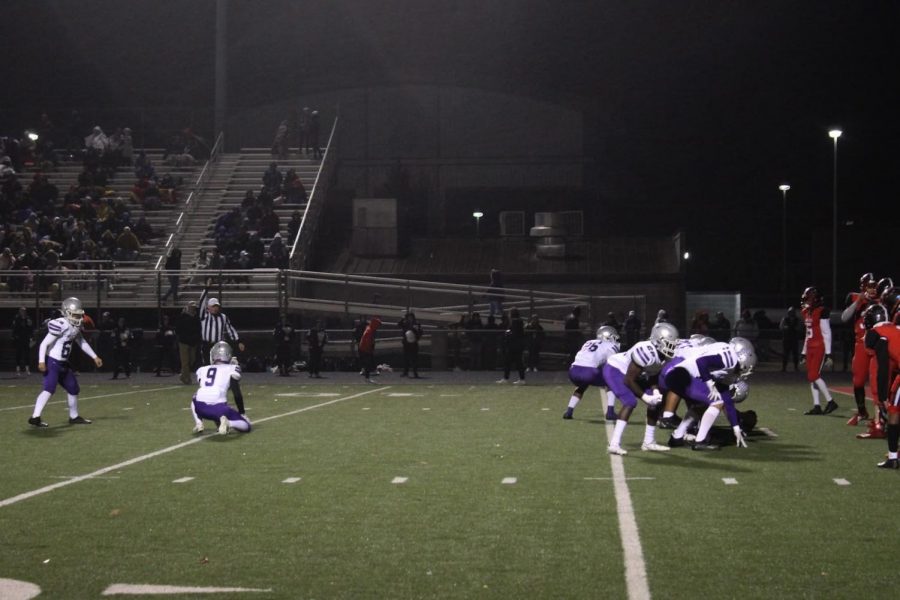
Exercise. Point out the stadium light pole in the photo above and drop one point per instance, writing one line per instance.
(477, 214)
(834, 134)
(784, 190)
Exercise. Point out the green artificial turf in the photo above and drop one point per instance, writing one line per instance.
(453, 529)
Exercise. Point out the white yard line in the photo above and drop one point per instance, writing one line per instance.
(841, 481)
(81, 398)
(130, 589)
(143, 457)
(635, 569)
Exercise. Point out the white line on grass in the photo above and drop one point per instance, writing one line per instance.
(291, 480)
(130, 589)
(635, 569)
(508, 480)
(768, 432)
(627, 478)
(841, 481)
(729, 481)
(143, 457)
(82, 398)
(182, 480)
(399, 479)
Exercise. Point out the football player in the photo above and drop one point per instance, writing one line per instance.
(586, 369)
(211, 399)
(857, 302)
(883, 338)
(670, 398)
(705, 377)
(53, 361)
(890, 299)
(628, 375)
(816, 348)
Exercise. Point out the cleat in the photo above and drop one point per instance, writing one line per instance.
(704, 446)
(198, 428)
(617, 450)
(36, 422)
(857, 419)
(79, 420)
(675, 442)
(223, 425)
(568, 414)
(654, 447)
(504, 380)
(669, 422)
(611, 415)
(830, 407)
(815, 410)
(890, 463)
(519, 382)
(874, 433)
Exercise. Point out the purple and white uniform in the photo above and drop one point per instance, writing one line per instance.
(644, 355)
(54, 352)
(587, 367)
(211, 399)
(688, 375)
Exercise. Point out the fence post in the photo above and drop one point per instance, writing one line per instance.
(98, 283)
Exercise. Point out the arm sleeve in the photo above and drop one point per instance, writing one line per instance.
(86, 347)
(825, 324)
(730, 409)
(238, 396)
(201, 304)
(850, 311)
(707, 364)
(45, 345)
(232, 332)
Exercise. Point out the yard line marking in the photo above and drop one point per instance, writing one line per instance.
(128, 408)
(308, 395)
(545, 409)
(841, 481)
(18, 590)
(182, 480)
(768, 432)
(450, 395)
(508, 480)
(401, 395)
(729, 481)
(292, 480)
(71, 476)
(485, 409)
(80, 398)
(793, 409)
(426, 408)
(635, 569)
(133, 589)
(399, 479)
(627, 478)
(367, 408)
(143, 457)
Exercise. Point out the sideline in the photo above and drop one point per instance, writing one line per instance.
(635, 569)
(137, 459)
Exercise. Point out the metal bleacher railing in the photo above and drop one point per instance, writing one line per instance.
(191, 202)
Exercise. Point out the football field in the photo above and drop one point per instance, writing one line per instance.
(446, 487)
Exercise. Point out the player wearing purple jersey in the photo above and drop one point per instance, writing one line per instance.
(629, 376)
(53, 361)
(703, 377)
(211, 399)
(586, 369)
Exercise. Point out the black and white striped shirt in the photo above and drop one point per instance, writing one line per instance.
(215, 328)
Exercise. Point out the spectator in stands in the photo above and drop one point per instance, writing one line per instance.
(720, 329)
(316, 339)
(572, 333)
(700, 324)
(303, 131)
(791, 334)
(187, 328)
(314, 134)
(284, 345)
(272, 180)
(165, 346)
(96, 141)
(128, 246)
(495, 293)
(294, 191)
(277, 253)
(280, 144)
(173, 266)
(661, 316)
(534, 333)
(126, 147)
(611, 321)
(143, 166)
(143, 230)
(123, 338)
(269, 224)
(294, 226)
(746, 327)
(256, 250)
(22, 333)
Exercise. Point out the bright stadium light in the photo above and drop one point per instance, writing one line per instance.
(835, 134)
(784, 190)
(687, 255)
(784, 187)
(477, 214)
(32, 136)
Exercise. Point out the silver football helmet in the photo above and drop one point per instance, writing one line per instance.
(698, 339)
(739, 390)
(665, 337)
(72, 311)
(607, 333)
(220, 353)
(746, 355)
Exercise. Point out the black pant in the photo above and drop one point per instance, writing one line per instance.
(789, 347)
(513, 359)
(283, 358)
(122, 361)
(315, 361)
(411, 359)
(367, 360)
(22, 349)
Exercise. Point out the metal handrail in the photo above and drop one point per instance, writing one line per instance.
(327, 160)
(189, 206)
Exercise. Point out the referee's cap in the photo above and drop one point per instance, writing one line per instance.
(212, 302)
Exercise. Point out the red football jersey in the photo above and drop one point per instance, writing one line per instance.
(891, 333)
(859, 328)
(813, 317)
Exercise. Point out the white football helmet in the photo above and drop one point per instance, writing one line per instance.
(746, 355)
(220, 353)
(608, 333)
(739, 390)
(72, 311)
(665, 337)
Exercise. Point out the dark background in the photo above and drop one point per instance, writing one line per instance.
(695, 111)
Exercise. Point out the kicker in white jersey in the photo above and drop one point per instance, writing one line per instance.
(215, 381)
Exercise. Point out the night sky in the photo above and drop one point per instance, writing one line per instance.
(696, 111)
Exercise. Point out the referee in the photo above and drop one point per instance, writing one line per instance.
(215, 326)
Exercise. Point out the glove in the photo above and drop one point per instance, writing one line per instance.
(828, 362)
(714, 394)
(802, 359)
(234, 360)
(652, 399)
(739, 436)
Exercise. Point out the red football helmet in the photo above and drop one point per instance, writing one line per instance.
(884, 283)
(811, 297)
(868, 286)
(890, 299)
